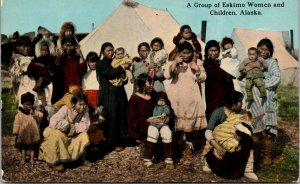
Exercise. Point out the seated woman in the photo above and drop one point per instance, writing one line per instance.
(228, 151)
(66, 138)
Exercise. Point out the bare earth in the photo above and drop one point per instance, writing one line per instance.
(125, 166)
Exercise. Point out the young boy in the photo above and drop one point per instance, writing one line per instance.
(254, 77)
(120, 59)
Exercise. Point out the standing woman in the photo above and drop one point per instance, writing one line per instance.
(112, 98)
(218, 83)
(184, 93)
(265, 116)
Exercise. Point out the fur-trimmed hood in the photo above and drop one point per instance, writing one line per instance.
(44, 41)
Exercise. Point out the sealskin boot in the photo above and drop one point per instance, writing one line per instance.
(149, 152)
(168, 155)
(249, 171)
(267, 149)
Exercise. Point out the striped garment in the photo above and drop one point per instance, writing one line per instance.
(265, 117)
(225, 133)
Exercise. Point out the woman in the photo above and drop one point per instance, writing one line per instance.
(235, 163)
(65, 139)
(265, 116)
(140, 108)
(185, 94)
(113, 99)
(218, 83)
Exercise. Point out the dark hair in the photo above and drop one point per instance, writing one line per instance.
(157, 40)
(185, 45)
(69, 39)
(252, 48)
(210, 44)
(226, 40)
(104, 46)
(233, 98)
(182, 28)
(143, 44)
(141, 81)
(78, 97)
(268, 43)
(92, 57)
(120, 49)
(23, 40)
(65, 26)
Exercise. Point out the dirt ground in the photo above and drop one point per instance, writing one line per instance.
(125, 166)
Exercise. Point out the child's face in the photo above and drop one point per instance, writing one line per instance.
(24, 49)
(45, 50)
(186, 34)
(144, 52)
(161, 102)
(252, 54)
(80, 106)
(68, 32)
(156, 46)
(119, 54)
(228, 46)
(69, 48)
(27, 106)
(108, 52)
(92, 65)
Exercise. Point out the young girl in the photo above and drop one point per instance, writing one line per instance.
(158, 56)
(186, 34)
(90, 85)
(26, 126)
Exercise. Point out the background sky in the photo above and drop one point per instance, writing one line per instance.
(27, 15)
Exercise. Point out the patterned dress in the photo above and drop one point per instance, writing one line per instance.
(265, 116)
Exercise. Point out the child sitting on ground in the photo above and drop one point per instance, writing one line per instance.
(121, 59)
(158, 126)
(26, 127)
(254, 77)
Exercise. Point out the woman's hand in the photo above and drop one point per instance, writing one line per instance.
(194, 67)
(219, 149)
(72, 114)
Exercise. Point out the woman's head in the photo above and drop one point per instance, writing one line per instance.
(143, 50)
(107, 50)
(227, 43)
(186, 32)
(265, 48)
(144, 84)
(212, 50)
(79, 102)
(23, 45)
(234, 101)
(157, 44)
(186, 50)
(92, 59)
(68, 28)
(69, 44)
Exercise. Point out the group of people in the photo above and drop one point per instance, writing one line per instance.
(85, 102)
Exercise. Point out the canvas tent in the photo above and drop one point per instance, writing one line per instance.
(246, 38)
(130, 25)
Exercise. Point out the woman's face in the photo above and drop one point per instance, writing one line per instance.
(238, 106)
(263, 51)
(24, 49)
(148, 87)
(213, 53)
(80, 106)
(187, 55)
(45, 50)
(108, 52)
(69, 48)
(144, 52)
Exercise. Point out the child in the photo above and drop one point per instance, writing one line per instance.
(158, 126)
(186, 34)
(67, 29)
(120, 60)
(42, 68)
(90, 85)
(19, 65)
(26, 126)
(228, 57)
(157, 56)
(254, 77)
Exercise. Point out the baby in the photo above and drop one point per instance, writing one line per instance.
(161, 111)
(121, 59)
(255, 76)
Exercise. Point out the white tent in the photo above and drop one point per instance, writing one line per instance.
(246, 38)
(130, 25)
